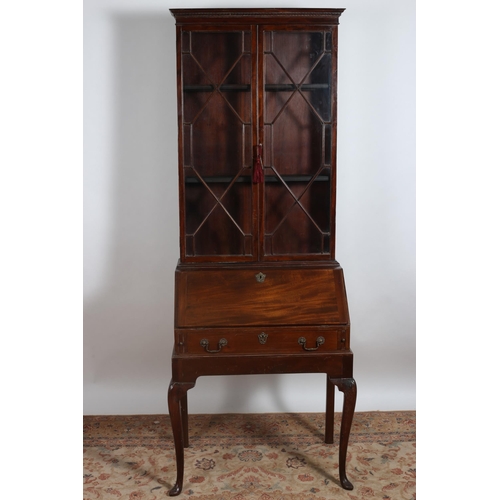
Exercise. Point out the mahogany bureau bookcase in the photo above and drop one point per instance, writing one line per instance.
(257, 286)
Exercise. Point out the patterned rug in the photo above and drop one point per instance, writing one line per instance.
(250, 456)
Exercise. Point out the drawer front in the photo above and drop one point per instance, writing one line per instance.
(285, 340)
(246, 297)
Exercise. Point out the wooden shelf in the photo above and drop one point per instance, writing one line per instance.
(222, 88)
(290, 87)
(268, 179)
(268, 87)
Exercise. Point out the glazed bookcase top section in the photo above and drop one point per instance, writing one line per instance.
(257, 134)
(257, 16)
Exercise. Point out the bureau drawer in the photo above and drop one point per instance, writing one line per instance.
(285, 340)
(245, 297)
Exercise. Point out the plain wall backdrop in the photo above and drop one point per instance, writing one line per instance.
(131, 236)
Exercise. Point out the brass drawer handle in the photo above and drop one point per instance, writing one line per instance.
(319, 341)
(204, 343)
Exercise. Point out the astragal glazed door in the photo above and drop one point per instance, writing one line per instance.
(298, 113)
(257, 143)
(218, 132)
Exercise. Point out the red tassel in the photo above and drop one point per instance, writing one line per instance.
(258, 174)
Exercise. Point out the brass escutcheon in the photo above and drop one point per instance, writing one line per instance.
(260, 277)
(263, 337)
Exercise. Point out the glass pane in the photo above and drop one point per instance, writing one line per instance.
(328, 42)
(297, 142)
(328, 144)
(218, 207)
(297, 138)
(219, 236)
(297, 51)
(316, 202)
(297, 235)
(279, 202)
(217, 142)
(297, 214)
(199, 202)
(216, 52)
(317, 87)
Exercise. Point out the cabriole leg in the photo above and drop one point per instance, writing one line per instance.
(184, 414)
(330, 409)
(177, 407)
(348, 387)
